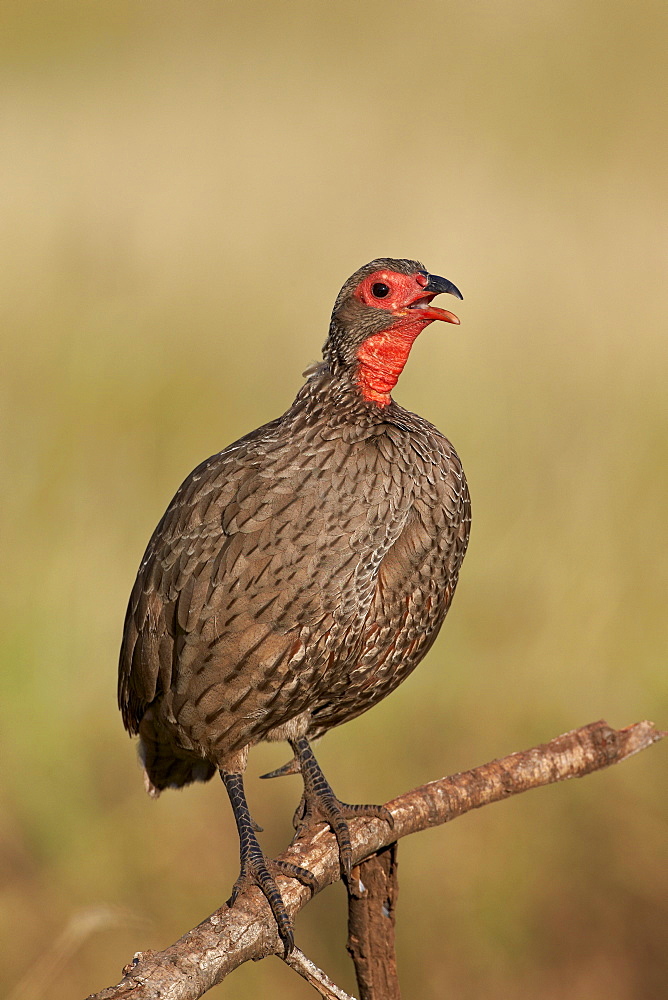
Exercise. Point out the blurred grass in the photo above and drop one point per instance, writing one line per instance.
(185, 189)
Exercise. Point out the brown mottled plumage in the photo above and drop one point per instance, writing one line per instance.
(298, 576)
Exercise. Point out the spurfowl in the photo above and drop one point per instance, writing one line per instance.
(302, 573)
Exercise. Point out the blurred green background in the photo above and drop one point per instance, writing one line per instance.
(185, 188)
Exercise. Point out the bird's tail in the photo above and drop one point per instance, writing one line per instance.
(167, 766)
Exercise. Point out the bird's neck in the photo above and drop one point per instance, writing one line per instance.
(332, 396)
(381, 359)
(364, 369)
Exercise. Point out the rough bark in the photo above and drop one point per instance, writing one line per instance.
(205, 955)
(371, 924)
(302, 965)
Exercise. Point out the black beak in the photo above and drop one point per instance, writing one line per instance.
(437, 285)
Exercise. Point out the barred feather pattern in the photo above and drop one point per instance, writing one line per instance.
(296, 578)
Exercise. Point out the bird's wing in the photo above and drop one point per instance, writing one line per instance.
(268, 540)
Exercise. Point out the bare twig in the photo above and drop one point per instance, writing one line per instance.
(231, 936)
(371, 919)
(298, 961)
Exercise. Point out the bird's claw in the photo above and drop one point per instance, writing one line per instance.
(302, 875)
(256, 870)
(327, 808)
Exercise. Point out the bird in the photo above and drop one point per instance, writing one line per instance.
(301, 574)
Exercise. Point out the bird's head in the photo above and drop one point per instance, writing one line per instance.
(377, 315)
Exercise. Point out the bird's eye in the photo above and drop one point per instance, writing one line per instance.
(379, 290)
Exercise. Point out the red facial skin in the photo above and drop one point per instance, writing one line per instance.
(383, 355)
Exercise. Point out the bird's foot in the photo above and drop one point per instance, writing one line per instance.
(320, 804)
(258, 870)
(325, 807)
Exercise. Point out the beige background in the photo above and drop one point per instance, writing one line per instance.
(185, 186)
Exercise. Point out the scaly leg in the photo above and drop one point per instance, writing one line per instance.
(255, 867)
(321, 804)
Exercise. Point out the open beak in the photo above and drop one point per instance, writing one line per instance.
(435, 285)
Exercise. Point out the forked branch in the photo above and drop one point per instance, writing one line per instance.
(204, 956)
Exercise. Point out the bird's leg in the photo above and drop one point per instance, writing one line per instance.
(320, 804)
(255, 868)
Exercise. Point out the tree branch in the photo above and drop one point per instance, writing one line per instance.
(204, 956)
(298, 961)
(371, 920)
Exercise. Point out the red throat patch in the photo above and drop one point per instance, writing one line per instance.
(382, 358)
